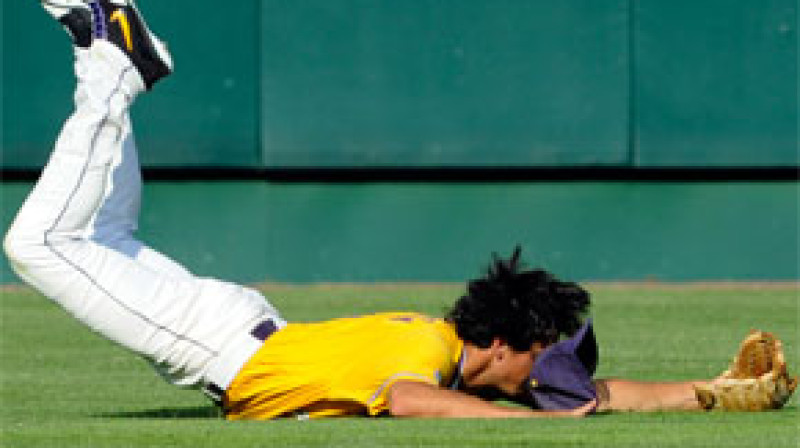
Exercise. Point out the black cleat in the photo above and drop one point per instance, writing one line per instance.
(118, 22)
(75, 16)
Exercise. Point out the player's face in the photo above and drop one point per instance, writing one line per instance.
(509, 368)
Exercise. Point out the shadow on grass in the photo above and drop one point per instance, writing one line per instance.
(168, 413)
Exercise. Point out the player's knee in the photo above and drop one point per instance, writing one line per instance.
(11, 246)
(16, 247)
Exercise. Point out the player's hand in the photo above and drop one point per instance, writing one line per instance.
(580, 411)
(587, 408)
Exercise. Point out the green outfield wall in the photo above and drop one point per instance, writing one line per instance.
(441, 84)
(438, 83)
(256, 231)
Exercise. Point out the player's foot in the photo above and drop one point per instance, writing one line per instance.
(119, 22)
(75, 16)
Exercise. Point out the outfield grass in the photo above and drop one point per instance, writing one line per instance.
(65, 387)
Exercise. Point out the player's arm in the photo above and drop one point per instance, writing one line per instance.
(418, 399)
(626, 395)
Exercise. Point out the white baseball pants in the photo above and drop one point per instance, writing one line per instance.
(73, 241)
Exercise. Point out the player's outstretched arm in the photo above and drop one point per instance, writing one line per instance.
(627, 395)
(417, 399)
(756, 380)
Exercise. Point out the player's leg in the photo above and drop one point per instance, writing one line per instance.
(197, 329)
(117, 217)
(47, 243)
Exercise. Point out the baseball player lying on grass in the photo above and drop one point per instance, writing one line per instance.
(73, 241)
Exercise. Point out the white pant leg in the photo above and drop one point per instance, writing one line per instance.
(117, 218)
(198, 329)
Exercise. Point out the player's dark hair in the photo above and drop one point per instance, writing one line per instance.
(517, 306)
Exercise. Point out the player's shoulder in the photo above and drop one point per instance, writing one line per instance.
(415, 328)
(404, 316)
(409, 320)
(394, 328)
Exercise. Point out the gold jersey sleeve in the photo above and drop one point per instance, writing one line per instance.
(343, 366)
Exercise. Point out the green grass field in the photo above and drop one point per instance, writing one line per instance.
(63, 386)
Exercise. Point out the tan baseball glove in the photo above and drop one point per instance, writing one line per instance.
(755, 381)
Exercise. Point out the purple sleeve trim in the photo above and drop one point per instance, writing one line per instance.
(561, 377)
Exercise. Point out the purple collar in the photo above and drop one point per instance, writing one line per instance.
(455, 384)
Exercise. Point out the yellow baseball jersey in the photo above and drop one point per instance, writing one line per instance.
(343, 366)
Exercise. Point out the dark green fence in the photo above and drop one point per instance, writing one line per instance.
(256, 231)
(716, 83)
(206, 114)
(438, 83)
(446, 83)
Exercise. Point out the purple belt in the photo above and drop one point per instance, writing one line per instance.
(262, 332)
